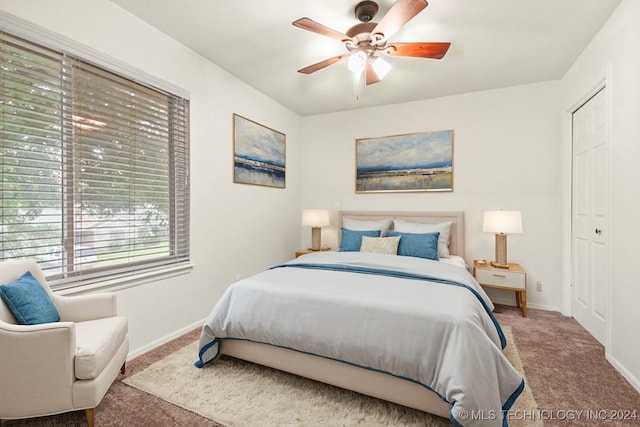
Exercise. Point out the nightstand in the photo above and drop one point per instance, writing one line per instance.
(513, 278)
(308, 251)
(303, 252)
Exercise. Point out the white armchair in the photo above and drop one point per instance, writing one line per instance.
(63, 366)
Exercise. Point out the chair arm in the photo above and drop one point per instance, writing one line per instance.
(37, 368)
(85, 307)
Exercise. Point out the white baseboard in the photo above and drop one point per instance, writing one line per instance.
(163, 340)
(635, 382)
(509, 302)
(543, 307)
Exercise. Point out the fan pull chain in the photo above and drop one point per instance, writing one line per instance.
(359, 85)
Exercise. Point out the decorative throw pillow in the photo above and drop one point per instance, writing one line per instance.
(28, 301)
(351, 240)
(418, 245)
(380, 245)
(444, 228)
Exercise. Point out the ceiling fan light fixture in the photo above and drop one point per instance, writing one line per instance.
(357, 62)
(381, 67)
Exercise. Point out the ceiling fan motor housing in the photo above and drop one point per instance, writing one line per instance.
(363, 28)
(366, 10)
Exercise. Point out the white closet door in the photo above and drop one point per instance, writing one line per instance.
(590, 216)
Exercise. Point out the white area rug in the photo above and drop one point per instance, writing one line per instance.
(237, 393)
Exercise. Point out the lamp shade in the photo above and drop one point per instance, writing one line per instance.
(315, 217)
(506, 222)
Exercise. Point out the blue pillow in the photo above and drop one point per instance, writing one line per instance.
(352, 239)
(423, 245)
(29, 301)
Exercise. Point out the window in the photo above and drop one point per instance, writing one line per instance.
(94, 168)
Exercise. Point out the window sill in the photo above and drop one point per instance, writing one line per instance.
(127, 282)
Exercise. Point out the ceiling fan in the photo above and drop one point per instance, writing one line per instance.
(367, 39)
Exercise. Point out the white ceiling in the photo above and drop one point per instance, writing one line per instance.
(494, 43)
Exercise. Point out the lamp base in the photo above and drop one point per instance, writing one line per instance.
(315, 239)
(501, 251)
(498, 264)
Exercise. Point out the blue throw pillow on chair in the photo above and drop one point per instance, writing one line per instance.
(29, 301)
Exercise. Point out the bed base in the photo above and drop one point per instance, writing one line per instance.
(350, 377)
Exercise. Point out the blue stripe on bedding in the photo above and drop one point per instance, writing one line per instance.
(199, 363)
(402, 275)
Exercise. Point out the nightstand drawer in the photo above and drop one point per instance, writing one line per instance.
(506, 278)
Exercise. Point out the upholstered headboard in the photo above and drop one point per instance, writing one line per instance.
(456, 243)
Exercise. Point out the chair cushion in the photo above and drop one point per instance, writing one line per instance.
(28, 301)
(96, 343)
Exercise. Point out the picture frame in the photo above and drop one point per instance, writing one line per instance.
(259, 154)
(405, 163)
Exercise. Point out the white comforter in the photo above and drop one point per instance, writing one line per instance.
(440, 334)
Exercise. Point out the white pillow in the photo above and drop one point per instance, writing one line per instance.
(363, 224)
(455, 260)
(444, 228)
(380, 245)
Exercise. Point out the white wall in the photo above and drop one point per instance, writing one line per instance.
(506, 156)
(615, 51)
(236, 229)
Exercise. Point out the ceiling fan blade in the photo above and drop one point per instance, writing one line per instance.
(322, 64)
(435, 50)
(315, 27)
(399, 14)
(370, 75)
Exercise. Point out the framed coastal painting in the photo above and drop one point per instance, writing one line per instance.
(411, 162)
(258, 154)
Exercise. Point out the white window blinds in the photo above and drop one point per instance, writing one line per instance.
(94, 168)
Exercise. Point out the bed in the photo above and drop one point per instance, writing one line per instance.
(406, 327)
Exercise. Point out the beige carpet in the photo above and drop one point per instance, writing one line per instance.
(237, 393)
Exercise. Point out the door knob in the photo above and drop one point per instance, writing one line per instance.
(598, 231)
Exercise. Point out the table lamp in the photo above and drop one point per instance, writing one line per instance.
(315, 218)
(502, 223)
